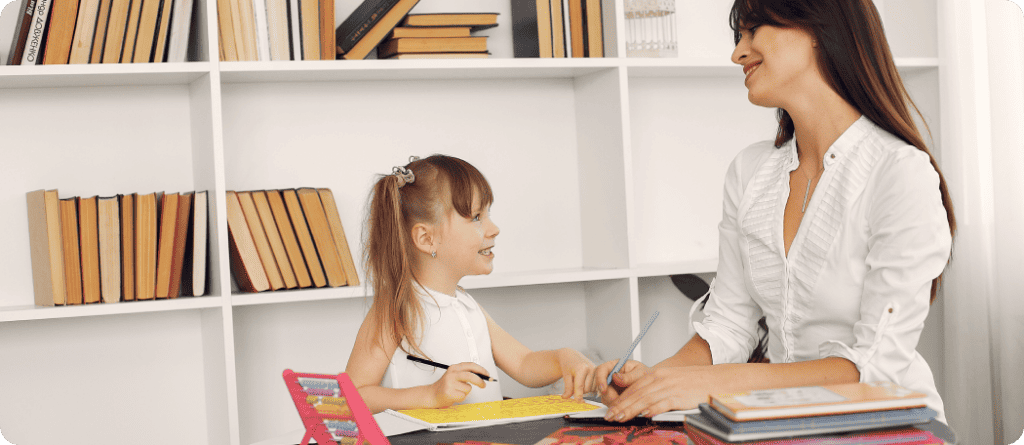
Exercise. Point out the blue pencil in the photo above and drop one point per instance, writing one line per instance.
(629, 352)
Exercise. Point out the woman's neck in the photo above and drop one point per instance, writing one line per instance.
(819, 119)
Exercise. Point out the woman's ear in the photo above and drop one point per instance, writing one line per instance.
(423, 237)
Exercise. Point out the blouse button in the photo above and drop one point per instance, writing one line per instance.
(833, 155)
(890, 310)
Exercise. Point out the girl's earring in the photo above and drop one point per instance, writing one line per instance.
(433, 254)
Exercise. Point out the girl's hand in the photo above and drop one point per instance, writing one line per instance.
(630, 372)
(455, 384)
(658, 390)
(577, 373)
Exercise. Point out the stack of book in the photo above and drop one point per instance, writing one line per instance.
(854, 413)
(558, 28)
(438, 36)
(276, 30)
(287, 239)
(100, 31)
(388, 26)
(118, 248)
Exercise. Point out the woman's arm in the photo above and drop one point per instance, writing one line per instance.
(674, 388)
(538, 368)
(370, 358)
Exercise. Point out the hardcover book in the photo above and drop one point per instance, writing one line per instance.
(288, 238)
(298, 220)
(89, 249)
(72, 259)
(815, 400)
(47, 247)
(357, 24)
(373, 36)
(433, 45)
(476, 20)
(22, 28)
(245, 261)
(266, 217)
(60, 32)
(110, 249)
(259, 237)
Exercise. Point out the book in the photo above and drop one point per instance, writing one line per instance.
(376, 33)
(815, 400)
(711, 421)
(506, 411)
(245, 261)
(181, 25)
(310, 18)
(903, 436)
(557, 29)
(33, 52)
(266, 215)
(483, 55)
(610, 433)
(60, 32)
(100, 36)
(340, 240)
(165, 248)
(181, 231)
(72, 258)
(322, 238)
(145, 39)
(295, 29)
(359, 22)
(109, 213)
(162, 29)
(194, 269)
(288, 238)
(433, 45)
(244, 17)
(260, 240)
(84, 31)
(127, 246)
(595, 32)
(47, 247)
(475, 20)
(577, 30)
(131, 30)
(226, 28)
(89, 249)
(531, 28)
(22, 28)
(259, 9)
(145, 246)
(277, 29)
(440, 31)
(327, 40)
(298, 220)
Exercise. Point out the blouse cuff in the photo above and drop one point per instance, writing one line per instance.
(720, 353)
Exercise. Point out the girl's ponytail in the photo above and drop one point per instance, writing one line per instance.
(388, 265)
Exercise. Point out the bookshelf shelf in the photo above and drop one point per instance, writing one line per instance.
(27, 313)
(607, 174)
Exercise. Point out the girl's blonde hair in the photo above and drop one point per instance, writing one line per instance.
(439, 184)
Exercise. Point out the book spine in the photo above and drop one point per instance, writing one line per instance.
(21, 31)
(360, 21)
(525, 37)
(34, 44)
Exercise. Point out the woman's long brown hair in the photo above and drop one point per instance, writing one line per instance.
(855, 59)
(442, 184)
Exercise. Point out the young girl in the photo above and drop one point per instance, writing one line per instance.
(429, 226)
(836, 231)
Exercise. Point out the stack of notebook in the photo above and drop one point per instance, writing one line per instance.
(445, 36)
(855, 413)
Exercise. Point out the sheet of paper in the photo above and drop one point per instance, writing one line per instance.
(671, 416)
(392, 425)
(503, 409)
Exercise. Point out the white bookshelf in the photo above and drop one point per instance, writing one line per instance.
(607, 175)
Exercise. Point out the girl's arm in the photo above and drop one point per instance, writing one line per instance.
(653, 391)
(369, 360)
(538, 368)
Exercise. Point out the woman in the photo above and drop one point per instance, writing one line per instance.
(836, 232)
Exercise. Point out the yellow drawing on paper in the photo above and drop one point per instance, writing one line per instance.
(503, 409)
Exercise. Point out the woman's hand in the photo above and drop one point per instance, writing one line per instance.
(577, 373)
(630, 372)
(455, 384)
(659, 390)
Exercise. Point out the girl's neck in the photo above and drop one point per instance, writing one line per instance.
(436, 279)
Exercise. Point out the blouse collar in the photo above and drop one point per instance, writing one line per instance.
(441, 299)
(847, 142)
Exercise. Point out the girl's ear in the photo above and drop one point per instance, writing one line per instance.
(423, 237)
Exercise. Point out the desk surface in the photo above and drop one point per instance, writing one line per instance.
(529, 433)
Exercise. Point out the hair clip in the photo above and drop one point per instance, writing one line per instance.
(404, 175)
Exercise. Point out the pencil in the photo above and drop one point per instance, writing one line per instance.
(442, 366)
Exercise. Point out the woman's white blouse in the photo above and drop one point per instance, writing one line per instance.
(454, 331)
(857, 281)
